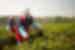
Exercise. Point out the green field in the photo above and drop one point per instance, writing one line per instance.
(59, 35)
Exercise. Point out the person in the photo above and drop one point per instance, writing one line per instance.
(23, 26)
(11, 25)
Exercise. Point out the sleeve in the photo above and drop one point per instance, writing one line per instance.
(31, 20)
(23, 33)
(21, 29)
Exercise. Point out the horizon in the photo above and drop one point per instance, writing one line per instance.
(38, 16)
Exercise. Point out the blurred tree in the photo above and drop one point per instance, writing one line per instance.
(58, 19)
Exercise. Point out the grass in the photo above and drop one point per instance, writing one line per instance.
(57, 38)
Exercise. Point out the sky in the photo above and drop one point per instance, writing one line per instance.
(38, 7)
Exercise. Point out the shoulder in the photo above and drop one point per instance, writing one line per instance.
(22, 17)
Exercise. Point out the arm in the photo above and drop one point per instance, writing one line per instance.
(22, 32)
(38, 28)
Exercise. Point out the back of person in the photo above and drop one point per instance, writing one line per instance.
(26, 21)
